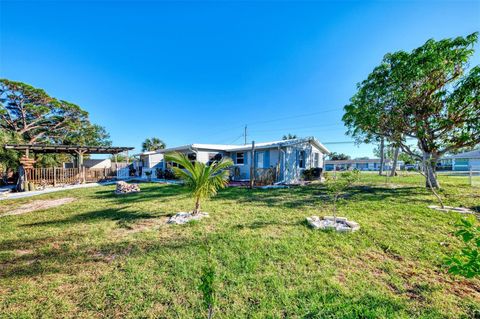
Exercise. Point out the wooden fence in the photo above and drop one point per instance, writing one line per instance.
(64, 176)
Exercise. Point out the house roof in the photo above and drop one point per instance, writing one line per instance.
(471, 154)
(235, 148)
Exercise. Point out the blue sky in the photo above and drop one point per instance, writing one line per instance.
(193, 72)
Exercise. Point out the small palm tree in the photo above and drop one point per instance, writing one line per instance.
(203, 180)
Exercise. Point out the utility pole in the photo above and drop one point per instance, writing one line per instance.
(245, 135)
(252, 166)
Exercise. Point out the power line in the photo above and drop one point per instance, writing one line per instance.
(295, 128)
(295, 116)
(342, 142)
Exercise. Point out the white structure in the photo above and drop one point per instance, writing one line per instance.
(372, 164)
(462, 162)
(97, 163)
(289, 157)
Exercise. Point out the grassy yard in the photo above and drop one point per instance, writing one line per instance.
(104, 255)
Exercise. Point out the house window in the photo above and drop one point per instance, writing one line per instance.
(192, 157)
(317, 160)
(240, 158)
(260, 159)
(301, 159)
(214, 157)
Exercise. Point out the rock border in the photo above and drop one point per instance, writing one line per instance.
(343, 225)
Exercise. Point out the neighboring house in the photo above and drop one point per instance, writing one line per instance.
(461, 162)
(97, 163)
(289, 157)
(372, 164)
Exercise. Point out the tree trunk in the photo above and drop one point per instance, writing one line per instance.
(210, 312)
(20, 187)
(430, 171)
(382, 156)
(197, 206)
(393, 172)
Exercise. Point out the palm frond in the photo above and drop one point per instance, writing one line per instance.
(202, 180)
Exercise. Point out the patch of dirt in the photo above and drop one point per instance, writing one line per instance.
(141, 225)
(23, 252)
(38, 205)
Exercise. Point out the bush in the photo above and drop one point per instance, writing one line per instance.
(466, 262)
(312, 174)
(164, 174)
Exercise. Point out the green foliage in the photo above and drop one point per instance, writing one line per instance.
(289, 137)
(29, 115)
(202, 180)
(8, 158)
(338, 156)
(153, 144)
(428, 94)
(311, 174)
(466, 262)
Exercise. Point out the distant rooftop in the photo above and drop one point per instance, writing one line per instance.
(470, 154)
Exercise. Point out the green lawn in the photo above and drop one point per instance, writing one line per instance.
(114, 256)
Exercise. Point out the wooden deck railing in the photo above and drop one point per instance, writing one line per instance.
(65, 176)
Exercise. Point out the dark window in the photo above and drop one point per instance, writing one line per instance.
(240, 158)
(214, 157)
(301, 159)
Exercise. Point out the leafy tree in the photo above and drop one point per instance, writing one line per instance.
(338, 156)
(36, 116)
(337, 185)
(289, 137)
(153, 144)
(427, 95)
(466, 262)
(203, 180)
(29, 115)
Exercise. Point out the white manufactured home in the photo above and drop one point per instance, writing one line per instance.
(289, 158)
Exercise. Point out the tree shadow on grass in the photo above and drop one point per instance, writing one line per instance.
(69, 259)
(150, 192)
(119, 214)
(304, 196)
(261, 224)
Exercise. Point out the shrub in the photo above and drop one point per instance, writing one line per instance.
(312, 173)
(466, 262)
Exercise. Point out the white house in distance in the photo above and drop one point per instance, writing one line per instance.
(371, 164)
(289, 157)
(462, 162)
